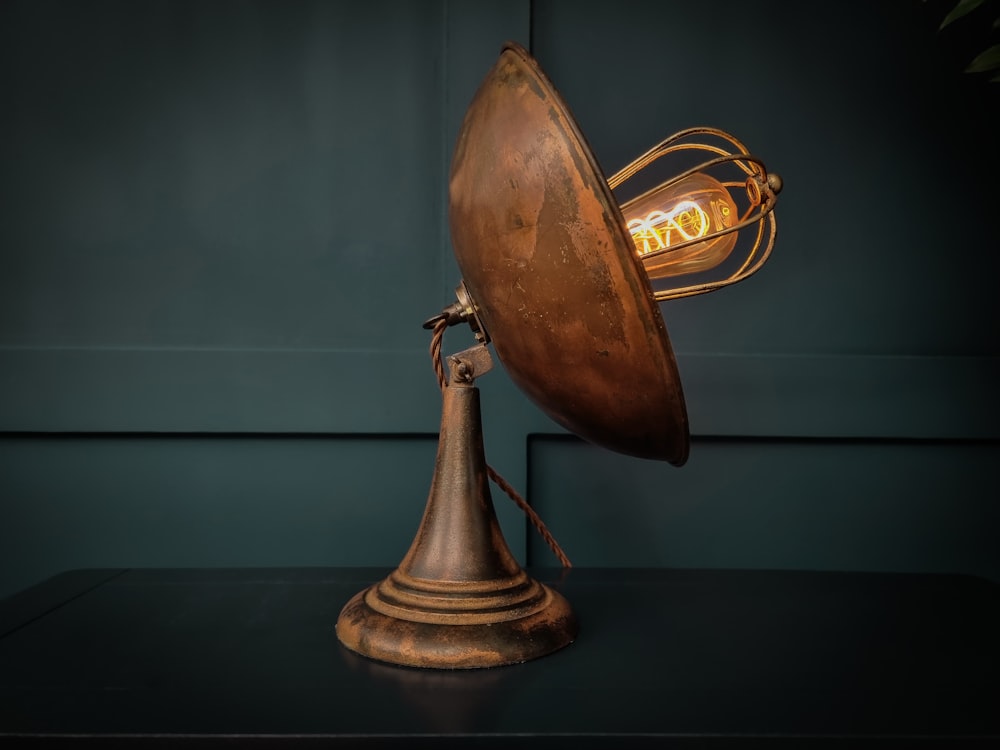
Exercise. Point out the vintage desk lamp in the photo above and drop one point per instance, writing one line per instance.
(564, 282)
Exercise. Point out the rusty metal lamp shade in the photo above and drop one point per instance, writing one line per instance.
(553, 277)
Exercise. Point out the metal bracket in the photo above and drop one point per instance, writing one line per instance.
(468, 365)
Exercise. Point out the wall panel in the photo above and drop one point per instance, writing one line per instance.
(223, 224)
(903, 506)
(133, 500)
(874, 323)
(868, 117)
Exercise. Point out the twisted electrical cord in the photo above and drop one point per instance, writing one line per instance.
(440, 325)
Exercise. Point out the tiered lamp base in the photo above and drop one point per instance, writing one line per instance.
(454, 624)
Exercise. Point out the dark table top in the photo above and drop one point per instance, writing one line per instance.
(693, 658)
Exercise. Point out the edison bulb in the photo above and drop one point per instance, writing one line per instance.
(666, 216)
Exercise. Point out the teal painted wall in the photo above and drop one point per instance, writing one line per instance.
(843, 401)
(223, 223)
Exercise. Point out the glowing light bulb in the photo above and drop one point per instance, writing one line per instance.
(697, 206)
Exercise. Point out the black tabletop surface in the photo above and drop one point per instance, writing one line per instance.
(690, 658)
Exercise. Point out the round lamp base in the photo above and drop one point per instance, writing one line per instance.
(456, 624)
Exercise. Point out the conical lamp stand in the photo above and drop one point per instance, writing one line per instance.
(459, 599)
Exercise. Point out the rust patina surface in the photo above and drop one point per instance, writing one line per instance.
(545, 255)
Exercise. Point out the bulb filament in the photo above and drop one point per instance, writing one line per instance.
(685, 221)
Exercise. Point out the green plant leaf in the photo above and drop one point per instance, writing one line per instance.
(988, 60)
(963, 7)
(996, 23)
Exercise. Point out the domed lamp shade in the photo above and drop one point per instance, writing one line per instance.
(564, 282)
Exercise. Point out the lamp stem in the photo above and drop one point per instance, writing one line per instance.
(474, 362)
(459, 505)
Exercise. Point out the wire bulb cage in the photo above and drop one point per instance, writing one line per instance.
(712, 222)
